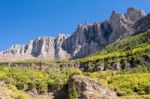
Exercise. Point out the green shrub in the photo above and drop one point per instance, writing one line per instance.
(131, 83)
(43, 81)
(20, 97)
(73, 94)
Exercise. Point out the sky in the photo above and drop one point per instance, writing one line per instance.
(24, 20)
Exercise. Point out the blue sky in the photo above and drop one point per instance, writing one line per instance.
(24, 20)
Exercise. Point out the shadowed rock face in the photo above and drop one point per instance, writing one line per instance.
(142, 24)
(89, 89)
(86, 40)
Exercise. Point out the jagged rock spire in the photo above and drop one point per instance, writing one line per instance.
(135, 14)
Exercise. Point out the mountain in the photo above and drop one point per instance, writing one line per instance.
(42, 47)
(116, 63)
(90, 38)
(86, 40)
(132, 51)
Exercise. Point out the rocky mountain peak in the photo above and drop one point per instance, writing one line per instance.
(83, 27)
(114, 14)
(116, 18)
(62, 36)
(135, 14)
(87, 38)
(132, 14)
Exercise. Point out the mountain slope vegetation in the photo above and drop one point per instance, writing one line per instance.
(134, 50)
(122, 66)
(133, 43)
(43, 77)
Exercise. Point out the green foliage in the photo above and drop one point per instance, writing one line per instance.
(73, 94)
(102, 76)
(139, 69)
(9, 91)
(20, 97)
(135, 96)
(54, 75)
(131, 83)
(125, 82)
(131, 49)
(42, 81)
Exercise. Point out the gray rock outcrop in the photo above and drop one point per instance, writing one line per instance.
(42, 47)
(89, 89)
(142, 24)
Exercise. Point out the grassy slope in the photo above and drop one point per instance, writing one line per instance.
(126, 83)
(132, 83)
(133, 45)
(43, 79)
(123, 82)
(11, 92)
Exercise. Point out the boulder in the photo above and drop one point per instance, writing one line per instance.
(90, 89)
(98, 68)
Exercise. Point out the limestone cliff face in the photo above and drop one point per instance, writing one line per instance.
(90, 38)
(42, 47)
(86, 40)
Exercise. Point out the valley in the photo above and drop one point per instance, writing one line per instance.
(108, 60)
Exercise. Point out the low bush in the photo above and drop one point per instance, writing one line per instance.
(27, 79)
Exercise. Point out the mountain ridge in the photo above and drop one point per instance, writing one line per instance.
(86, 40)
